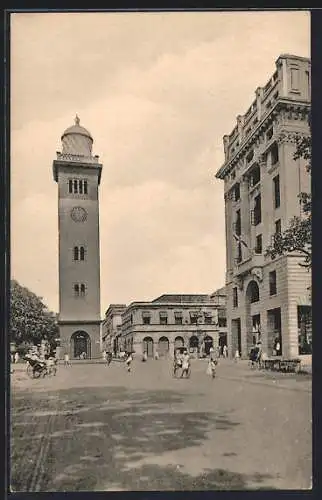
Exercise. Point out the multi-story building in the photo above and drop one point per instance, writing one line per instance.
(111, 327)
(267, 299)
(171, 321)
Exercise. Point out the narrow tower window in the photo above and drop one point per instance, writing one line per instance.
(82, 253)
(85, 187)
(82, 289)
(70, 186)
(75, 186)
(76, 290)
(76, 254)
(80, 187)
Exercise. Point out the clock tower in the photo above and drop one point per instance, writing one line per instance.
(78, 174)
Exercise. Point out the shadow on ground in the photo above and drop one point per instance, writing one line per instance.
(112, 438)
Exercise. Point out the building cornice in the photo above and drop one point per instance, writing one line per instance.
(79, 322)
(168, 305)
(296, 108)
(64, 164)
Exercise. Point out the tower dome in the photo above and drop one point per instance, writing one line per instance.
(76, 140)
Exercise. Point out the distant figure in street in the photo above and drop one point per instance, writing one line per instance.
(16, 357)
(236, 358)
(156, 356)
(278, 347)
(225, 351)
(104, 356)
(128, 361)
(66, 359)
(211, 369)
(185, 365)
(109, 358)
(211, 352)
(144, 357)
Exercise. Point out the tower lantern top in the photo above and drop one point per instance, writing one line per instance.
(77, 140)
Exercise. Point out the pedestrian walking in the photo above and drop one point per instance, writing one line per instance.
(211, 352)
(177, 362)
(144, 357)
(104, 357)
(16, 357)
(211, 368)
(236, 358)
(156, 356)
(185, 365)
(128, 361)
(225, 351)
(66, 359)
(109, 358)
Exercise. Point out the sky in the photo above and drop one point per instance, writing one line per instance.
(157, 91)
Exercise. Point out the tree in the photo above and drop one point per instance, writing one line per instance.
(30, 320)
(298, 236)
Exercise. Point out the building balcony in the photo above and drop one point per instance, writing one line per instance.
(246, 266)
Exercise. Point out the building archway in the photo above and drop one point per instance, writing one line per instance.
(80, 344)
(178, 342)
(163, 346)
(194, 345)
(252, 314)
(148, 346)
(208, 344)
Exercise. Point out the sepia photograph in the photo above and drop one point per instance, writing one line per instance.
(160, 333)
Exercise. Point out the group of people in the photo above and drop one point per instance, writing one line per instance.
(182, 361)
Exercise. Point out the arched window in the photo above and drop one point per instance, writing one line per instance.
(252, 292)
(82, 289)
(76, 290)
(75, 186)
(76, 254)
(82, 253)
(194, 342)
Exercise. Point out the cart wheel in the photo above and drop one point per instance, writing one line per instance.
(36, 373)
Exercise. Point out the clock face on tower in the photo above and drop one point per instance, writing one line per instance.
(78, 214)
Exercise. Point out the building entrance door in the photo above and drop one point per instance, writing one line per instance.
(148, 346)
(236, 336)
(80, 345)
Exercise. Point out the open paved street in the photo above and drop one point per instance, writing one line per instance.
(98, 428)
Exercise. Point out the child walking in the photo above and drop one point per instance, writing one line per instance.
(128, 361)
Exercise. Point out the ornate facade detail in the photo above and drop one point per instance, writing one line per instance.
(257, 272)
(286, 136)
(262, 160)
(239, 282)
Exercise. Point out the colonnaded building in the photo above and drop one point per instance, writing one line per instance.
(267, 299)
(78, 174)
(196, 321)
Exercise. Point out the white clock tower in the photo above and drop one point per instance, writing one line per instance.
(78, 174)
